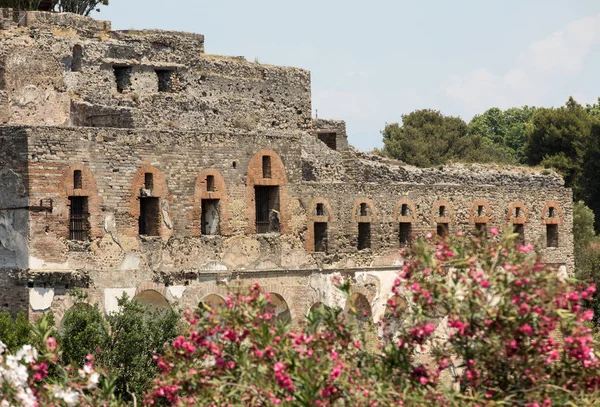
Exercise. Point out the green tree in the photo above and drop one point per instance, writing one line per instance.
(15, 333)
(83, 332)
(558, 138)
(83, 7)
(138, 332)
(428, 138)
(506, 129)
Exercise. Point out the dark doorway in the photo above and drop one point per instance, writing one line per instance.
(321, 237)
(404, 232)
(210, 217)
(364, 235)
(267, 208)
(442, 230)
(149, 221)
(552, 235)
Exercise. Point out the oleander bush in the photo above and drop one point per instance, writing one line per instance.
(487, 324)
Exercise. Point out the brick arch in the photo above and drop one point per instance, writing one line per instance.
(220, 193)
(398, 215)
(157, 287)
(474, 218)
(351, 302)
(436, 218)
(64, 307)
(558, 219)
(278, 178)
(510, 218)
(89, 189)
(309, 237)
(160, 190)
(285, 293)
(355, 211)
(193, 295)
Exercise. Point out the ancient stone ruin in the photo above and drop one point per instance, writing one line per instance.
(133, 162)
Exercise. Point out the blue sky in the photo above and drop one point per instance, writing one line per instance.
(373, 61)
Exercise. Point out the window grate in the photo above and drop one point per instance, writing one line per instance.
(79, 218)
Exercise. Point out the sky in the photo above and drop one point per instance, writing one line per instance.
(373, 61)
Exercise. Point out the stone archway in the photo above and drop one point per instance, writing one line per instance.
(152, 298)
(279, 307)
(358, 309)
(213, 301)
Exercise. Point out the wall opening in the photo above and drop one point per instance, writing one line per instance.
(267, 208)
(213, 302)
(363, 209)
(320, 209)
(330, 140)
(266, 166)
(320, 229)
(519, 229)
(78, 218)
(517, 212)
(442, 229)
(551, 212)
(404, 232)
(405, 210)
(551, 235)
(442, 211)
(210, 183)
(77, 59)
(165, 83)
(149, 181)
(149, 221)
(210, 217)
(77, 180)
(481, 228)
(123, 78)
(480, 210)
(279, 308)
(364, 235)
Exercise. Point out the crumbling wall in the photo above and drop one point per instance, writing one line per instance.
(170, 83)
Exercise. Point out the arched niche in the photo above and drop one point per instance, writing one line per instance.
(152, 299)
(279, 307)
(213, 301)
(358, 308)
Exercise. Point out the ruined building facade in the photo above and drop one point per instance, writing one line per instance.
(133, 162)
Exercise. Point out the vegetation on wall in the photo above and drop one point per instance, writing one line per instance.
(83, 7)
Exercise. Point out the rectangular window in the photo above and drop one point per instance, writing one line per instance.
(330, 140)
(552, 235)
(165, 83)
(266, 166)
(210, 216)
(320, 209)
(442, 230)
(149, 221)
(78, 218)
(404, 232)
(320, 237)
(520, 230)
(364, 235)
(123, 78)
(480, 210)
(405, 211)
(77, 180)
(267, 208)
(363, 209)
(210, 183)
(442, 211)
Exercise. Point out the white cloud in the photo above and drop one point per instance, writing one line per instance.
(562, 53)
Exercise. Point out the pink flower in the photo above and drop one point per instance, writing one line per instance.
(526, 329)
(525, 249)
(494, 231)
(51, 343)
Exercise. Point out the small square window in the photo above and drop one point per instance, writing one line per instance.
(148, 180)
(442, 211)
(320, 209)
(77, 180)
(210, 183)
(165, 82)
(552, 235)
(405, 211)
(266, 166)
(480, 210)
(363, 209)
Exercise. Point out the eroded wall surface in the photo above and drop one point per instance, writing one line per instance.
(123, 121)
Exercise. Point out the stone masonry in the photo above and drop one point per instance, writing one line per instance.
(132, 162)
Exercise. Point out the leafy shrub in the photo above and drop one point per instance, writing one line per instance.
(14, 333)
(123, 344)
(485, 316)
